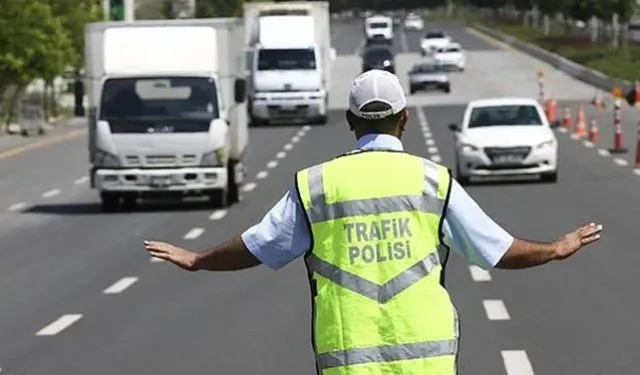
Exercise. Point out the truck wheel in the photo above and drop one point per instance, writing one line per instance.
(218, 198)
(233, 189)
(412, 90)
(447, 89)
(110, 202)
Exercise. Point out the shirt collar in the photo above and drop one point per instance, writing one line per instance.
(372, 141)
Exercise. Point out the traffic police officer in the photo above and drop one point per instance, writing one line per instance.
(376, 225)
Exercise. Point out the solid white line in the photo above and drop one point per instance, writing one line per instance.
(603, 152)
(588, 144)
(495, 309)
(295, 139)
(121, 285)
(262, 174)
(272, 164)
(430, 142)
(62, 323)
(218, 214)
(194, 233)
(479, 275)
(621, 162)
(281, 155)
(432, 149)
(51, 193)
(156, 260)
(288, 146)
(81, 180)
(516, 362)
(306, 128)
(250, 186)
(436, 158)
(17, 206)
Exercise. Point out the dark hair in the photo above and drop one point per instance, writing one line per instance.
(384, 125)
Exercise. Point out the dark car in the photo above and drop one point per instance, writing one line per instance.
(378, 57)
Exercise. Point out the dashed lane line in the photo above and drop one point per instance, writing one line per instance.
(262, 175)
(272, 164)
(156, 260)
(436, 158)
(479, 275)
(621, 162)
(281, 155)
(516, 362)
(603, 152)
(288, 147)
(495, 309)
(194, 233)
(51, 193)
(249, 187)
(17, 206)
(59, 325)
(81, 180)
(218, 214)
(121, 285)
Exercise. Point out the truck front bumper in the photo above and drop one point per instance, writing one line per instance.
(176, 180)
(290, 106)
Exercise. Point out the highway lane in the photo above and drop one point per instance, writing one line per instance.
(171, 321)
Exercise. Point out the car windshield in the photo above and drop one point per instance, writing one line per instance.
(159, 98)
(378, 54)
(434, 35)
(286, 59)
(427, 68)
(506, 115)
(378, 25)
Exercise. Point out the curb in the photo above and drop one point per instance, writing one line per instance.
(575, 70)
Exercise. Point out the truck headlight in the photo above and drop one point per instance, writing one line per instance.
(104, 159)
(545, 144)
(468, 148)
(215, 158)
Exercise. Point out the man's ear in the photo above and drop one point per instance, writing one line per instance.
(403, 119)
(349, 119)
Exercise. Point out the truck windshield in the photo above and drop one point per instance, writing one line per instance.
(159, 98)
(286, 59)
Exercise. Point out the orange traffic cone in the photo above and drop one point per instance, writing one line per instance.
(566, 119)
(581, 123)
(594, 132)
(551, 111)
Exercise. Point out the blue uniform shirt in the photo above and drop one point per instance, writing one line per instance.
(282, 236)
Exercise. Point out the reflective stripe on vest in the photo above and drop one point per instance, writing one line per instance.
(321, 212)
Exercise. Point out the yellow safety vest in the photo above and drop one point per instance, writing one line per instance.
(379, 304)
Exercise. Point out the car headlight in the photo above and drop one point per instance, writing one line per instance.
(546, 144)
(104, 159)
(386, 63)
(215, 158)
(468, 148)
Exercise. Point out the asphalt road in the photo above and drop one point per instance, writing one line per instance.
(79, 295)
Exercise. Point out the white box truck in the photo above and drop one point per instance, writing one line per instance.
(289, 57)
(167, 111)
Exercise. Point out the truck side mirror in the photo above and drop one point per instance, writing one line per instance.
(239, 90)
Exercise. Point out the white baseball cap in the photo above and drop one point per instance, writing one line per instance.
(376, 86)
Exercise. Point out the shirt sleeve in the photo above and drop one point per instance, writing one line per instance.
(469, 231)
(282, 236)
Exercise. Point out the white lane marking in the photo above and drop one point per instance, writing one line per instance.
(51, 193)
(603, 152)
(121, 285)
(479, 275)
(432, 149)
(194, 233)
(621, 162)
(218, 214)
(81, 180)
(288, 146)
(272, 164)
(436, 158)
(430, 142)
(422, 118)
(636, 171)
(249, 187)
(62, 323)
(575, 136)
(156, 260)
(281, 155)
(516, 362)
(17, 206)
(495, 309)
(588, 144)
(262, 174)
(427, 134)
(295, 139)
(562, 130)
(306, 128)
(301, 133)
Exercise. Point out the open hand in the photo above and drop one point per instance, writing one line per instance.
(570, 243)
(182, 258)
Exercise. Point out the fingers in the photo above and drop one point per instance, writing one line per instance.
(590, 239)
(157, 246)
(160, 255)
(590, 230)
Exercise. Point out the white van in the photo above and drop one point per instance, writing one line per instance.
(379, 28)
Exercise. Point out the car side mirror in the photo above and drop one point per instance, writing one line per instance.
(454, 127)
(239, 90)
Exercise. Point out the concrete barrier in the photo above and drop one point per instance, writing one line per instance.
(575, 70)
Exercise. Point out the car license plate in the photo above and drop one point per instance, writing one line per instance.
(288, 108)
(508, 159)
(160, 181)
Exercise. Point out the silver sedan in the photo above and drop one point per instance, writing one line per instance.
(429, 75)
